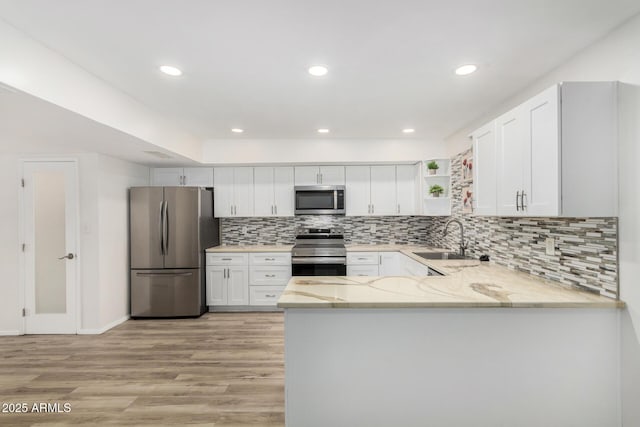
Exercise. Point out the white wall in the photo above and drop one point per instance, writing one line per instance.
(116, 177)
(10, 320)
(320, 151)
(102, 254)
(615, 57)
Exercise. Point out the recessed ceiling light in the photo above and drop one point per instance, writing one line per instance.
(408, 130)
(463, 70)
(323, 130)
(237, 130)
(318, 70)
(171, 71)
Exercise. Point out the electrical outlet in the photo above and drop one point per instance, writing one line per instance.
(550, 244)
(372, 228)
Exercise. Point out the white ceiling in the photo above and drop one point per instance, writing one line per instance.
(391, 61)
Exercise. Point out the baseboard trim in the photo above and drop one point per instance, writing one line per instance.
(104, 328)
(9, 333)
(242, 308)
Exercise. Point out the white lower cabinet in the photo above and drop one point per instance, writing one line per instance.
(269, 273)
(362, 270)
(227, 279)
(256, 278)
(265, 295)
(374, 263)
(411, 267)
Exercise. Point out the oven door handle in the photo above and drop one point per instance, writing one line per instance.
(319, 260)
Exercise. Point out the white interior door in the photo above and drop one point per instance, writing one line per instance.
(50, 235)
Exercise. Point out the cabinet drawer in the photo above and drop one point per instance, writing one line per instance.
(264, 295)
(362, 258)
(269, 275)
(227, 259)
(270, 258)
(362, 270)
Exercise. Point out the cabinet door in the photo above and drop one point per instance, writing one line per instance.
(237, 286)
(406, 189)
(263, 204)
(223, 192)
(243, 191)
(542, 146)
(358, 194)
(389, 264)
(198, 177)
(332, 175)
(484, 170)
(383, 190)
(511, 155)
(307, 175)
(167, 177)
(283, 191)
(216, 285)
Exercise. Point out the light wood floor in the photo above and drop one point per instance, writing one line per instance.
(223, 369)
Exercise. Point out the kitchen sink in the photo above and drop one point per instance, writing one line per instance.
(441, 255)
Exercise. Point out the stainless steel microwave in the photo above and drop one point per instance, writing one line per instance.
(319, 200)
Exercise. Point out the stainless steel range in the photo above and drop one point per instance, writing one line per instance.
(319, 252)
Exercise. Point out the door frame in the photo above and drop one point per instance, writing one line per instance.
(22, 224)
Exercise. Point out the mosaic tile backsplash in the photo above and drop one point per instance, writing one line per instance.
(586, 248)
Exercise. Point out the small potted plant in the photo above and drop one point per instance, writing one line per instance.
(432, 166)
(435, 190)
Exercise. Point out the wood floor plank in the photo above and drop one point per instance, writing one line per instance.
(223, 369)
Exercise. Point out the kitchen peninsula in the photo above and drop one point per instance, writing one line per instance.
(481, 342)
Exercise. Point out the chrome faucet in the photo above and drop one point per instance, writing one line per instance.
(463, 246)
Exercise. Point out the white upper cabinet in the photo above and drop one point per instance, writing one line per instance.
(555, 155)
(319, 175)
(383, 190)
(484, 170)
(332, 175)
(263, 191)
(167, 177)
(511, 145)
(407, 189)
(233, 192)
(358, 191)
(273, 191)
(541, 185)
(174, 177)
(283, 194)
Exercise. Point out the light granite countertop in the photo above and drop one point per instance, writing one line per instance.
(466, 283)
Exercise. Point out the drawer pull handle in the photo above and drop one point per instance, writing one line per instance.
(227, 259)
(362, 259)
(269, 275)
(270, 296)
(269, 259)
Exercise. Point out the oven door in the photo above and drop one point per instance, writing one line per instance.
(319, 266)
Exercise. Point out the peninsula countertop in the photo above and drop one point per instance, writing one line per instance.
(466, 283)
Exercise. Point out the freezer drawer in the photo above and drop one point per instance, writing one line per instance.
(166, 293)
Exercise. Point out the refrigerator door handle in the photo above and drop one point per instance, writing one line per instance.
(161, 222)
(165, 231)
(164, 274)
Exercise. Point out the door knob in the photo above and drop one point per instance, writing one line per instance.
(67, 256)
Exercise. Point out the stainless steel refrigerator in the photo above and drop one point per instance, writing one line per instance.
(170, 228)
